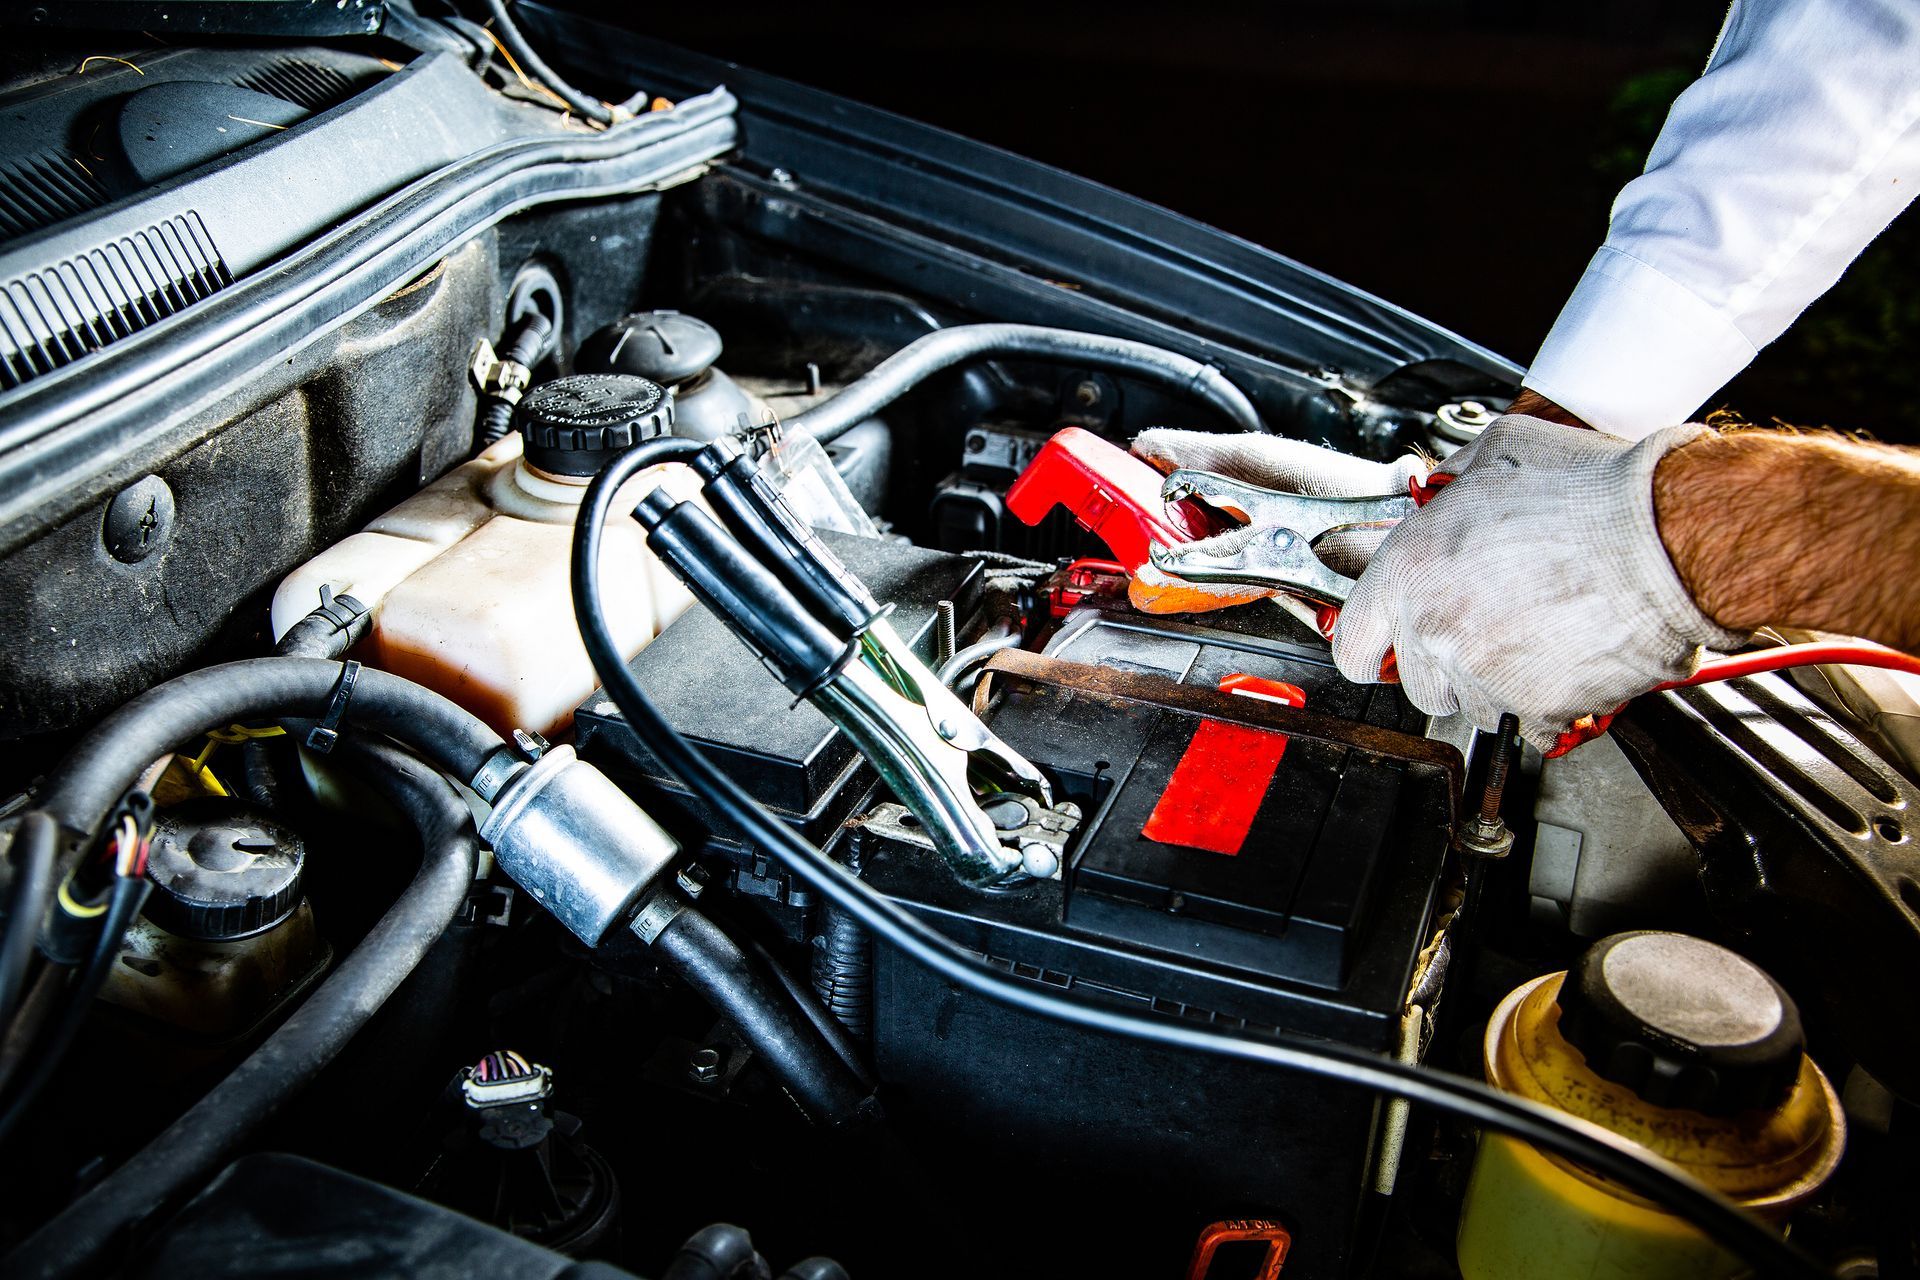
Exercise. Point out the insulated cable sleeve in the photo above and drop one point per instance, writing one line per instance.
(908, 367)
(790, 1046)
(129, 892)
(760, 518)
(756, 605)
(80, 1238)
(516, 42)
(108, 760)
(1599, 1150)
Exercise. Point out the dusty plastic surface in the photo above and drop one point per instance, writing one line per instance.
(468, 584)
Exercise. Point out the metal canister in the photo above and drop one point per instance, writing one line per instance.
(1674, 1043)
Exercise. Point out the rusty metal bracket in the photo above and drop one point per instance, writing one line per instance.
(1257, 713)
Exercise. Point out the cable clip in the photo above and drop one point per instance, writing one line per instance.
(327, 732)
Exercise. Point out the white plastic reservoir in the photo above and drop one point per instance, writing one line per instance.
(468, 584)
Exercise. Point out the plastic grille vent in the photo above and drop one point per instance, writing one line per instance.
(307, 84)
(39, 190)
(52, 317)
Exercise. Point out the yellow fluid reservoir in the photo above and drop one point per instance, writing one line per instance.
(1681, 1046)
(467, 580)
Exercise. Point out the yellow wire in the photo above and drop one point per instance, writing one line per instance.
(75, 909)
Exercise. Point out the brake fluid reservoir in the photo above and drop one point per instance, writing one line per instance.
(468, 580)
(1676, 1044)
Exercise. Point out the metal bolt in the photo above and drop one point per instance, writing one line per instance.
(1087, 393)
(1496, 786)
(945, 642)
(1486, 833)
(703, 1066)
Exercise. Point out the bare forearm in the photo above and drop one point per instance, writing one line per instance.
(1770, 528)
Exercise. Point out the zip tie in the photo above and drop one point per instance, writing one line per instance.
(327, 732)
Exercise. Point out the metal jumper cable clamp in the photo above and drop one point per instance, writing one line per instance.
(823, 635)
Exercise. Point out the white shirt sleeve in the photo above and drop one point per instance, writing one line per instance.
(1795, 148)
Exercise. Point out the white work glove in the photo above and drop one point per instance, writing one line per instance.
(1291, 466)
(1536, 583)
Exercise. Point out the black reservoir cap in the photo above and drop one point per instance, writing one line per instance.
(222, 870)
(573, 426)
(1683, 1023)
(665, 346)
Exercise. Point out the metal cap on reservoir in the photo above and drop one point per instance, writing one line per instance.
(573, 426)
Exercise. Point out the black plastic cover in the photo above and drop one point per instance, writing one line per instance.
(666, 346)
(281, 1215)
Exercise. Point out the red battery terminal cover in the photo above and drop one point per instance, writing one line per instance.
(1084, 580)
(1110, 493)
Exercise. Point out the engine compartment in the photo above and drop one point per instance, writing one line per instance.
(636, 1017)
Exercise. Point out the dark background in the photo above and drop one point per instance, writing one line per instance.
(1457, 159)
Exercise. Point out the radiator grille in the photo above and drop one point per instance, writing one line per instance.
(52, 317)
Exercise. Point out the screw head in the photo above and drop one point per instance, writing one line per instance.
(139, 520)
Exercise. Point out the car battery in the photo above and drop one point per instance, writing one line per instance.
(1312, 924)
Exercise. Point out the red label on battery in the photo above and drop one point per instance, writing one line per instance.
(1217, 787)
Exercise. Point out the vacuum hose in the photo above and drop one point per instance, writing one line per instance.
(914, 363)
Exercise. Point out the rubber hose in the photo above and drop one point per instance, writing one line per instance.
(524, 345)
(843, 959)
(830, 1029)
(823, 1086)
(35, 842)
(536, 66)
(326, 633)
(109, 760)
(196, 1146)
(719, 1252)
(908, 367)
(262, 783)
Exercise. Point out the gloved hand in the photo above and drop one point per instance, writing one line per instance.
(1536, 583)
(1271, 462)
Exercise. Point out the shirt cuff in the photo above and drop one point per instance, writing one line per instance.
(1633, 351)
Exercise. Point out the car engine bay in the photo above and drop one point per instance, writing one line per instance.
(571, 707)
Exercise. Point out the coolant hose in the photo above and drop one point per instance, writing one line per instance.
(200, 1142)
(523, 346)
(107, 761)
(908, 367)
(793, 1050)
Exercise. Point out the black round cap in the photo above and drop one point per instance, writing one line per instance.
(1682, 1022)
(667, 346)
(222, 870)
(572, 426)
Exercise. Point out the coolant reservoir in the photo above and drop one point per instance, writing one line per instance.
(467, 580)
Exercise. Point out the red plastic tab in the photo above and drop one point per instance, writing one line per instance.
(1084, 579)
(1112, 494)
(1220, 782)
(1241, 1231)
